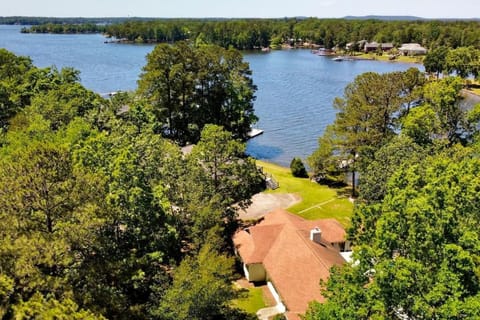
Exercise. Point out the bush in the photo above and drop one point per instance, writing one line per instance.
(298, 169)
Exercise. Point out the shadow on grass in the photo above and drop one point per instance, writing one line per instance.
(343, 189)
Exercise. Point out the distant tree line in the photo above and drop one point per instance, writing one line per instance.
(60, 28)
(256, 33)
(29, 21)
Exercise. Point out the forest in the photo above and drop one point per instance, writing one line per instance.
(98, 215)
(247, 34)
(415, 151)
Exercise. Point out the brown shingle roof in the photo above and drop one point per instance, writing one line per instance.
(294, 263)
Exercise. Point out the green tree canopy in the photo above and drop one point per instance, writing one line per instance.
(201, 288)
(368, 117)
(422, 260)
(98, 211)
(190, 87)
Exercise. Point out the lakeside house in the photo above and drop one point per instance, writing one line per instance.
(374, 46)
(359, 45)
(292, 255)
(412, 49)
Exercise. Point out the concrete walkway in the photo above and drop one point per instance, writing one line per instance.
(265, 313)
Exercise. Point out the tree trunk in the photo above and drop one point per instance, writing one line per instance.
(353, 183)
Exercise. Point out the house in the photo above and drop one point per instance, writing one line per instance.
(412, 49)
(387, 46)
(292, 255)
(370, 47)
(374, 46)
(359, 45)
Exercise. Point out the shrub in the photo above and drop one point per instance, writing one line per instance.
(298, 169)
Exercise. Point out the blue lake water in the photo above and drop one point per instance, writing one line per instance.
(295, 87)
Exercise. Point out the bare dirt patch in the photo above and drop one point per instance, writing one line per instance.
(263, 203)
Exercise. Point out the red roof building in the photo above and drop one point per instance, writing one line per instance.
(293, 254)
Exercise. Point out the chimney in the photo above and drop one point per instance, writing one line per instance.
(316, 235)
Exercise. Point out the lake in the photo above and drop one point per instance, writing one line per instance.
(295, 87)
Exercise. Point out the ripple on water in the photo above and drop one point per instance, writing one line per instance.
(295, 97)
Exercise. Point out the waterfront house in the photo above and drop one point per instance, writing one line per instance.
(412, 49)
(370, 47)
(374, 46)
(360, 45)
(292, 255)
(387, 46)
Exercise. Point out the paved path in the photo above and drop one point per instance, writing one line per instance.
(265, 313)
(317, 205)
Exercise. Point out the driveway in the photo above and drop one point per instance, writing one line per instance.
(263, 203)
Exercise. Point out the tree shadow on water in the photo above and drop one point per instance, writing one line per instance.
(263, 152)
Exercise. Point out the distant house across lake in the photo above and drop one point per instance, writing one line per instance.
(412, 49)
(374, 46)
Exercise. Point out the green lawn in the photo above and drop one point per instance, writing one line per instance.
(317, 201)
(252, 302)
(384, 57)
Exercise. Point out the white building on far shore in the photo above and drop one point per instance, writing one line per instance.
(412, 49)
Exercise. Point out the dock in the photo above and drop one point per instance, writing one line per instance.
(254, 132)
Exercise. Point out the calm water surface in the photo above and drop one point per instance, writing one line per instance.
(295, 88)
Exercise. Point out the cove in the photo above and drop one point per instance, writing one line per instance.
(295, 92)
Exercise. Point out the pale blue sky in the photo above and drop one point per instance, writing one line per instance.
(240, 8)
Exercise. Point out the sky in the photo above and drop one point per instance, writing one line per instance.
(241, 8)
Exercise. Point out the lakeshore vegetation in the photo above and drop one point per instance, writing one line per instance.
(247, 34)
(103, 216)
(415, 223)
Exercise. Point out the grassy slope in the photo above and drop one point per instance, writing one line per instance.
(318, 201)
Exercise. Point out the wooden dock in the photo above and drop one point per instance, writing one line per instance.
(254, 132)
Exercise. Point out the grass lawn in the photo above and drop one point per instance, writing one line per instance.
(384, 57)
(318, 201)
(252, 302)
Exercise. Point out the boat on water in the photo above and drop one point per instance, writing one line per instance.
(323, 52)
(342, 58)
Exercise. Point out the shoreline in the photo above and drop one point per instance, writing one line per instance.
(364, 57)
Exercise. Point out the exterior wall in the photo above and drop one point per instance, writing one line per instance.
(370, 48)
(348, 246)
(413, 52)
(256, 272)
(342, 246)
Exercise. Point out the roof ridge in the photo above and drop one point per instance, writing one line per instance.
(309, 243)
